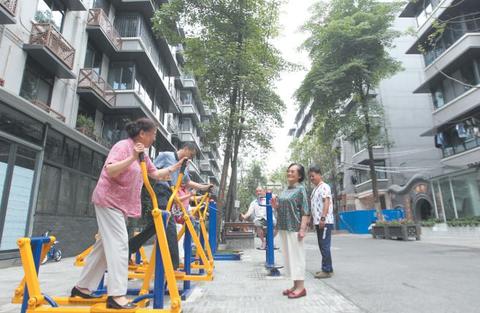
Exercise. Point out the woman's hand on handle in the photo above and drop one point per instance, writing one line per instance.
(177, 165)
(137, 149)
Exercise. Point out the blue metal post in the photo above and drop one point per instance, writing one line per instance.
(159, 285)
(212, 226)
(36, 244)
(138, 258)
(187, 260)
(202, 242)
(270, 257)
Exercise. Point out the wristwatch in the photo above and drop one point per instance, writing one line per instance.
(322, 218)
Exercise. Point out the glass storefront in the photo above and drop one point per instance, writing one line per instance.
(460, 195)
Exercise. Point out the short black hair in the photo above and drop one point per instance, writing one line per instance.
(134, 128)
(189, 146)
(301, 171)
(315, 169)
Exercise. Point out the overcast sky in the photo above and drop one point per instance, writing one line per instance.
(293, 15)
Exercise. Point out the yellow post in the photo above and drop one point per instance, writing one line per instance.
(175, 300)
(31, 277)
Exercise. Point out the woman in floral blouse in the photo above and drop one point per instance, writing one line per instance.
(293, 216)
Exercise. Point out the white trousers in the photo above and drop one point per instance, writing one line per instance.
(293, 255)
(110, 252)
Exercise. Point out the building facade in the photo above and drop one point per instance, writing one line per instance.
(451, 80)
(72, 74)
(402, 165)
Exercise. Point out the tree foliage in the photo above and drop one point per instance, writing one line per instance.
(349, 46)
(229, 50)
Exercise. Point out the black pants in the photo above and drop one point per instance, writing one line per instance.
(135, 243)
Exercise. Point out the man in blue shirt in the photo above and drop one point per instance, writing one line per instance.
(163, 192)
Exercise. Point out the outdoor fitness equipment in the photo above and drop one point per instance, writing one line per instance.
(269, 251)
(32, 250)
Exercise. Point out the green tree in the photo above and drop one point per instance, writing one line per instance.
(253, 178)
(348, 45)
(228, 49)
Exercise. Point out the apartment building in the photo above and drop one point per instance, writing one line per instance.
(451, 80)
(404, 165)
(72, 74)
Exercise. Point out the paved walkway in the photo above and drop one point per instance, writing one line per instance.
(239, 286)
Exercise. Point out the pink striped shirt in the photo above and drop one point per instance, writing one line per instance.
(122, 192)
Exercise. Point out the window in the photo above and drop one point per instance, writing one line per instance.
(51, 11)
(120, 75)
(186, 97)
(438, 100)
(37, 84)
(186, 125)
(93, 59)
(20, 125)
(128, 25)
(102, 4)
(363, 175)
(144, 90)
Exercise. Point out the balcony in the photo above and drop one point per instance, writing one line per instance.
(467, 155)
(146, 7)
(425, 16)
(188, 81)
(191, 110)
(206, 167)
(49, 110)
(95, 90)
(458, 107)
(193, 171)
(467, 46)
(179, 54)
(143, 52)
(367, 186)
(101, 30)
(48, 47)
(362, 155)
(7, 11)
(74, 5)
(188, 136)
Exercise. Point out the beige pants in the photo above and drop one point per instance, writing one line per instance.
(293, 254)
(110, 252)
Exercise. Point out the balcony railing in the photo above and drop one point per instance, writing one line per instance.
(90, 79)
(46, 35)
(9, 5)
(49, 110)
(98, 17)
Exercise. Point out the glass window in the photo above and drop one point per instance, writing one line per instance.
(97, 163)
(186, 97)
(71, 151)
(83, 195)
(49, 188)
(51, 11)
(37, 84)
(120, 75)
(128, 25)
(186, 124)
(20, 125)
(93, 58)
(447, 199)
(466, 189)
(438, 100)
(86, 158)
(102, 4)
(54, 147)
(66, 195)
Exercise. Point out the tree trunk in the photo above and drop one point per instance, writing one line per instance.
(371, 160)
(232, 189)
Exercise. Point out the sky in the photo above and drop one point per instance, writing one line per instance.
(293, 15)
